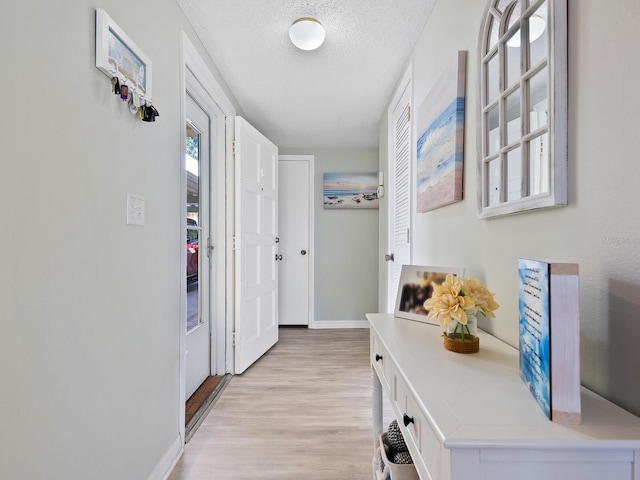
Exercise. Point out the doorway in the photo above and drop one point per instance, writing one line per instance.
(295, 232)
(399, 193)
(201, 91)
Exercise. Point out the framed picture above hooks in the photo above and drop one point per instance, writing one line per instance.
(118, 56)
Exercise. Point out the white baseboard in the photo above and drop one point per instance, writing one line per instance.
(168, 460)
(318, 324)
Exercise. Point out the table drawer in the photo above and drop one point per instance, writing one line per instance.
(415, 427)
(381, 361)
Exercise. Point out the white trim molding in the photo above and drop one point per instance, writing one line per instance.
(164, 467)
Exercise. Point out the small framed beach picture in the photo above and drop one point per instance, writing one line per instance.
(117, 56)
(416, 286)
(351, 190)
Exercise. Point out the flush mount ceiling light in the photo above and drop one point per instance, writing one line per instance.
(307, 33)
(537, 24)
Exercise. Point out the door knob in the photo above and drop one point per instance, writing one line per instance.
(388, 257)
(303, 252)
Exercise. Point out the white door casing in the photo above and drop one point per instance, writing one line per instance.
(295, 192)
(198, 338)
(400, 154)
(256, 192)
(196, 78)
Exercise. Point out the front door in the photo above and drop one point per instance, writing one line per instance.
(256, 250)
(197, 164)
(295, 187)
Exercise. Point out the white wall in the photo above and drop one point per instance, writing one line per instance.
(89, 310)
(346, 243)
(599, 230)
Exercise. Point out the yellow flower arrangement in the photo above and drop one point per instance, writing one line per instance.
(458, 299)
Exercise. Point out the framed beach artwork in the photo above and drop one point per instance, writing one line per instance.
(351, 190)
(416, 286)
(117, 56)
(440, 146)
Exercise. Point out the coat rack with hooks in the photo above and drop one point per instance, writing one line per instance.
(139, 104)
(128, 68)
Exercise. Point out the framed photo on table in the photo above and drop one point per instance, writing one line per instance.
(416, 286)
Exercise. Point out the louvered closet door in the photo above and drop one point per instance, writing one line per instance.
(400, 211)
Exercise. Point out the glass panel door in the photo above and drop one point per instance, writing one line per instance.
(198, 267)
(194, 230)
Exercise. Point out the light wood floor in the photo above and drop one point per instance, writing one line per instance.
(303, 412)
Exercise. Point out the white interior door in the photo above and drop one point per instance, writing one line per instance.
(295, 193)
(400, 192)
(256, 186)
(197, 164)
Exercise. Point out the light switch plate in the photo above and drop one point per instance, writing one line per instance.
(135, 209)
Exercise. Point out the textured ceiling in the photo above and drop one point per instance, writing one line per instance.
(332, 97)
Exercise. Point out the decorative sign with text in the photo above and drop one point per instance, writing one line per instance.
(550, 336)
(535, 344)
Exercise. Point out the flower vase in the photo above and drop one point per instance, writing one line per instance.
(462, 338)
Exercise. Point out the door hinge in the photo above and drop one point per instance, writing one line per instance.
(409, 113)
(233, 243)
(233, 147)
(233, 339)
(210, 247)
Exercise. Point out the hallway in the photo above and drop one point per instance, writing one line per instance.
(303, 411)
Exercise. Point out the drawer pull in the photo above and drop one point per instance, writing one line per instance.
(407, 420)
(378, 357)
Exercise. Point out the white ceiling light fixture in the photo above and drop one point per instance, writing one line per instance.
(307, 33)
(537, 24)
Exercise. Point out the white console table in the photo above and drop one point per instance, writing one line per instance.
(470, 417)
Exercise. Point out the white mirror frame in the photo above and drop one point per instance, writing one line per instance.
(556, 63)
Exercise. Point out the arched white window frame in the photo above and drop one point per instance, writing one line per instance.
(497, 190)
